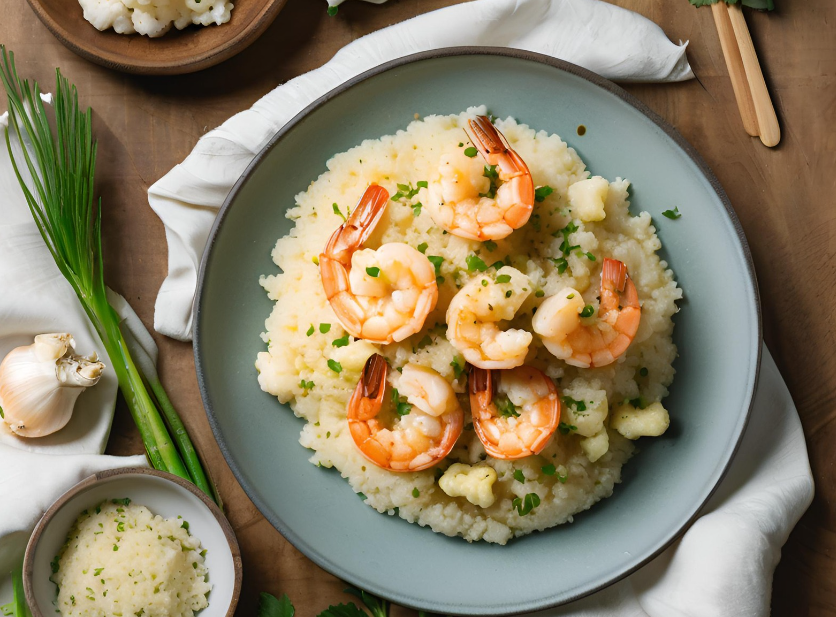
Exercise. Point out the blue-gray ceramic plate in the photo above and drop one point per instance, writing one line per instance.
(717, 332)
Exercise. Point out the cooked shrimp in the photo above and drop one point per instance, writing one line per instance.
(558, 321)
(417, 440)
(456, 203)
(474, 314)
(381, 295)
(515, 412)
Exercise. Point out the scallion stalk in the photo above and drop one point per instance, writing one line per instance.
(61, 165)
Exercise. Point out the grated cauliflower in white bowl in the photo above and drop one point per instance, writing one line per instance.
(154, 17)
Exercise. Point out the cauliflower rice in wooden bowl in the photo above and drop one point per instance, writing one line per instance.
(472, 321)
(188, 36)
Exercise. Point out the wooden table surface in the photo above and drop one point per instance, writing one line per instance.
(784, 198)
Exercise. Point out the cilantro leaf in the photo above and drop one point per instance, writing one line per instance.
(378, 607)
(526, 505)
(672, 214)
(343, 610)
(518, 476)
(270, 606)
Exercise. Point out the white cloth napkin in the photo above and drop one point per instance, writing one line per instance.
(611, 41)
(723, 565)
(35, 299)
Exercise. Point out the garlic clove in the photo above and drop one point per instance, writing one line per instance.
(39, 384)
(53, 346)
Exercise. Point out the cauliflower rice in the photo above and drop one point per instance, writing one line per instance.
(563, 244)
(120, 559)
(154, 17)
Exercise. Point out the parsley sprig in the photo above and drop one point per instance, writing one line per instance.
(527, 504)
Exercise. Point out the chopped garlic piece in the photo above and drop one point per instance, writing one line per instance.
(475, 483)
(587, 198)
(633, 423)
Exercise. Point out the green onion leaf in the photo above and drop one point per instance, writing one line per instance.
(490, 245)
(310, 330)
(587, 311)
(503, 278)
(549, 469)
(475, 263)
(415, 492)
(342, 341)
(335, 366)
(471, 152)
(541, 192)
(373, 272)
(436, 261)
(324, 328)
(422, 248)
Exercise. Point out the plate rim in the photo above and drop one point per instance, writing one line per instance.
(204, 60)
(625, 97)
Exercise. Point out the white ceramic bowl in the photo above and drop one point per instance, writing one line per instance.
(163, 494)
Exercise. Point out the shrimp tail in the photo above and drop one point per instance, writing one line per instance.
(614, 274)
(485, 136)
(367, 400)
(352, 234)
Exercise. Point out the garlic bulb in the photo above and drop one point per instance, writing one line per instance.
(40, 383)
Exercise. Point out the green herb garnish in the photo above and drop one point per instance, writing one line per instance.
(541, 192)
(422, 248)
(436, 261)
(565, 429)
(335, 366)
(672, 214)
(526, 505)
(475, 263)
(505, 407)
(373, 272)
(518, 476)
(503, 278)
(342, 341)
(587, 311)
(324, 328)
(471, 152)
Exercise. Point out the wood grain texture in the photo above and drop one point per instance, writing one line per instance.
(784, 197)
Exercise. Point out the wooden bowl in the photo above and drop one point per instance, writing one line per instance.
(174, 53)
(162, 493)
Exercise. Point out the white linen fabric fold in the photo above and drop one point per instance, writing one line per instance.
(36, 299)
(616, 43)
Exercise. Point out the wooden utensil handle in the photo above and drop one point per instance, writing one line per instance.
(770, 132)
(737, 73)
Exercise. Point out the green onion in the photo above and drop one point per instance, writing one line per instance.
(475, 263)
(415, 492)
(324, 328)
(310, 330)
(587, 311)
(539, 293)
(490, 245)
(332, 10)
(422, 248)
(340, 342)
(403, 409)
(335, 366)
(541, 192)
(422, 184)
(61, 163)
(503, 278)
(458, 367)
(471, 152)
(549, 469)
(306, 385)
(373, 272)
(565, 429)
(436, 261)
